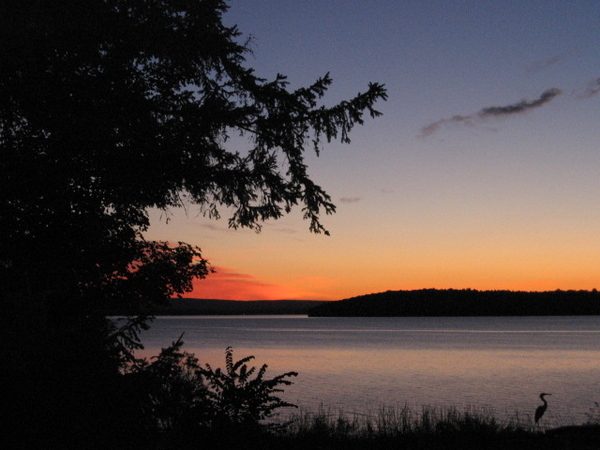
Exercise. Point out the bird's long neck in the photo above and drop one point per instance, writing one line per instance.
(544, 400)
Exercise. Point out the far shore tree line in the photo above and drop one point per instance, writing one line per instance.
(465, 303)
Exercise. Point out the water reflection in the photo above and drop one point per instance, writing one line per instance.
(361, 364)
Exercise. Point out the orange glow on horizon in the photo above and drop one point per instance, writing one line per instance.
(226, 284)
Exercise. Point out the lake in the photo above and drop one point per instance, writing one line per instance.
(358, 365)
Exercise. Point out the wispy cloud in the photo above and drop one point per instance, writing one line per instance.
(227, 284)
(540, 65)
(350, 199)
(491, 112)
(213, 227)
(591, 89)
(286, 230)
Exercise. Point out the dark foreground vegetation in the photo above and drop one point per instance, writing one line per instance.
(430, 428)
(110, 109)
(389, 428)
(464, 302)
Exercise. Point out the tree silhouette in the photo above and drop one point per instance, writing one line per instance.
(108, 108)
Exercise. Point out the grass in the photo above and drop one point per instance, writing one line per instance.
(398, 428)
(428, 428)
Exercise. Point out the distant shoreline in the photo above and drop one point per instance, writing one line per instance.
(214, 307)
(414, 303)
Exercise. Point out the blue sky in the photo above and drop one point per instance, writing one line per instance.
(508, 201)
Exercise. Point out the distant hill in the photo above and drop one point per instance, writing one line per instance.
(205, 307)
(465, 302)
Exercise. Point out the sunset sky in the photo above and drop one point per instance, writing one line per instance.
(483, 173)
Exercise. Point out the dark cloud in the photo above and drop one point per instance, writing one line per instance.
(491, 112)
(520, 107)
(592, 88)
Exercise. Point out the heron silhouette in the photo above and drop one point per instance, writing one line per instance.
(539, 412)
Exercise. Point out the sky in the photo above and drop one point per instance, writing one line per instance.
(482, 173)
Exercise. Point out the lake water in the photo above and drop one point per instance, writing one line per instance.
(358, 365)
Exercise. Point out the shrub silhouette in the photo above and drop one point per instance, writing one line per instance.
(178, 398)
(237, 398)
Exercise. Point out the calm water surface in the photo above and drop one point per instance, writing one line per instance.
(360, 364)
